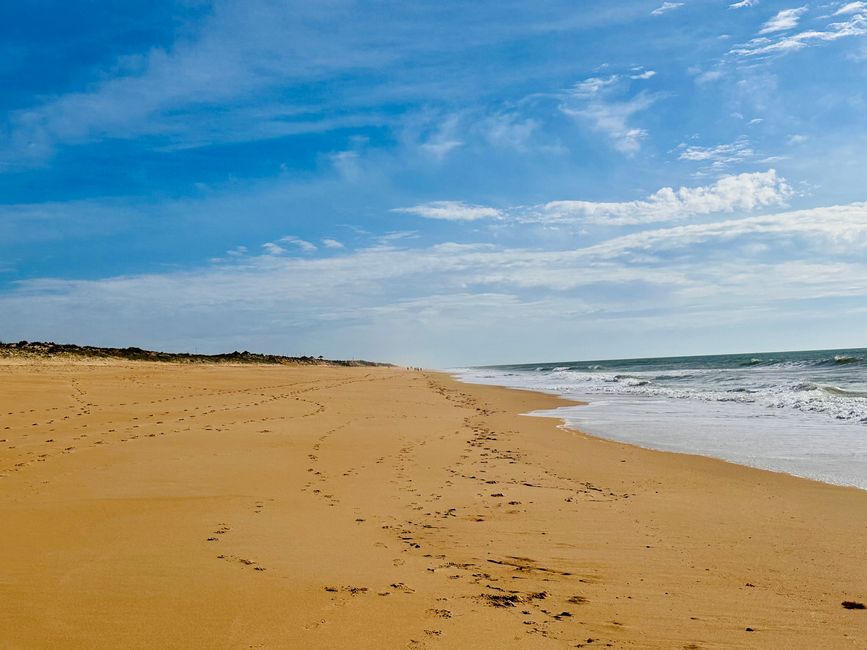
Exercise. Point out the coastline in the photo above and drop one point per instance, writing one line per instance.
(565, 425)
(806, 444)
(379, 507)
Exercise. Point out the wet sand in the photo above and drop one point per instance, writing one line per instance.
(172, 506)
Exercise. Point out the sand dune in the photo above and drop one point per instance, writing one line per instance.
(161, 505)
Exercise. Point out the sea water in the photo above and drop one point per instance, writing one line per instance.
(803, 413)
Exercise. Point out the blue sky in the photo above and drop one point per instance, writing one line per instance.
(435, 183)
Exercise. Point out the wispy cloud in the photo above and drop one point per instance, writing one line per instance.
(665, 7)
(253, 70)
(301, 244)
(599, 102)
(851, 8)
(271, 248)
(342, 304)
(238, 52)
(720, 156)
(279, 248)
(843, 228)
(783, 20)
(509, 129)
(444, 139)
(451, 211)
(771, 43)
(744, 192)
(741, 192)
(743, 4)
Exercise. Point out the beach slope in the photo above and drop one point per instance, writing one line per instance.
(249, 506)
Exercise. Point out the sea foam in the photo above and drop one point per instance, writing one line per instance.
(804, 413)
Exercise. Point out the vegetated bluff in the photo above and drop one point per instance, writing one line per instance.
(38, 349)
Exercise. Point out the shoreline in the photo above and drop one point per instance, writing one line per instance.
(383, 507)
(564, 426)
(693, 455)
(586, 401)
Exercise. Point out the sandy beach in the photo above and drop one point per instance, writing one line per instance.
(161, 505)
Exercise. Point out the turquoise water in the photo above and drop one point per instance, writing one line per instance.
(803, 412)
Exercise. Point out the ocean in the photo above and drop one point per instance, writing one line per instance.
(803, 413)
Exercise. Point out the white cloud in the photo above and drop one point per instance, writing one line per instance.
(664, 7)
(783, 20)
(444, 139)
(233, 74)
(239, 50)
(451, 211)
(332, 243)
(719, 156)
(763, 46)
(396, 235)
(347, 163)
(390, 302)
(708, 76)
(592, 86)
(851, 8)
(744, 192)
(592, 101)
(743, 4)
(272, 249)
(839, 228)
(730, 193)
(439, 149)
(302, 244)
(509, 130)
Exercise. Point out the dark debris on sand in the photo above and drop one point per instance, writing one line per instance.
(501, 600)
(510, 600)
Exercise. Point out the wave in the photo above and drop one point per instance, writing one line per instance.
(835, 360)
(630, 380)
(815, 388)
(824, 362)
(841, 392)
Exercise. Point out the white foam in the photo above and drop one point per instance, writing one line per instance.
(772, 428)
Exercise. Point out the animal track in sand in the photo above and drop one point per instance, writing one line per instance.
(241, 560)
(222, 530)
(527, 565)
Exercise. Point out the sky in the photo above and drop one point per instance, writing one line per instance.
(435, 183)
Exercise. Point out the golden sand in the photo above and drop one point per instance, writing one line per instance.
(168, 506)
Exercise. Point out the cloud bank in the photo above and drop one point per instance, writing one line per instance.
(393, 301)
